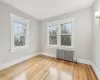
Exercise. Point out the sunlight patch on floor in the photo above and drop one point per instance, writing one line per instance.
(55, 74)
(22, 76)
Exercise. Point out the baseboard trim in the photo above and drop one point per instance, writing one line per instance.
(47, 54)
(6, 65)
(83, 61)
(96, 70)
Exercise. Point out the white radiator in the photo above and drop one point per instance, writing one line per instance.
(65, 54)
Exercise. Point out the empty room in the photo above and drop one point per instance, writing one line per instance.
(49, 39)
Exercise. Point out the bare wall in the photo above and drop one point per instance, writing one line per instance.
(96, 34)
(82, 33)
(5, 35)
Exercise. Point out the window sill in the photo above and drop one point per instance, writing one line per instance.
(18, 49)
(61, 47)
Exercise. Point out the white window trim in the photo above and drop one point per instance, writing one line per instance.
(58, 22)
(15, 17)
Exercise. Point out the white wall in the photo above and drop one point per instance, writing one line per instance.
(5, 36)
(96, 35)
(82, 33)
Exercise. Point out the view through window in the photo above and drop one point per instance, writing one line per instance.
(61, 33)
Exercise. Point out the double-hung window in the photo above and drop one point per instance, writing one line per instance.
(61, 33)
(19, 33)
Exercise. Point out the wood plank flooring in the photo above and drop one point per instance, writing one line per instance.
(43, 67)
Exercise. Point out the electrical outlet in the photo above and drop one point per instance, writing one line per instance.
(76, 61)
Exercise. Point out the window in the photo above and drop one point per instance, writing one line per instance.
(19, 33)
(61, 33)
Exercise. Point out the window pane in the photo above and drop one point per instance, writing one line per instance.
(53, 40)
(66, 40)
(66, 28)
(52, 30)
(22, 28)
(19, 40)
(16, 24)
(16, 29)
(52, 35)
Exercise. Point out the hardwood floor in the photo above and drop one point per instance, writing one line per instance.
(47, 68)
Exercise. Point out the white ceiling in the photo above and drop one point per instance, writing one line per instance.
(43, 9)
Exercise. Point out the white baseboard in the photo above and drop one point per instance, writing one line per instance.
(43, 53)
(83, 61)
(96, 70)
(2, 66)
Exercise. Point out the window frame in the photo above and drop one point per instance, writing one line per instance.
(57, 23)
(17, 18)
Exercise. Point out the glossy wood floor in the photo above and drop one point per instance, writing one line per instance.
(47, 68)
